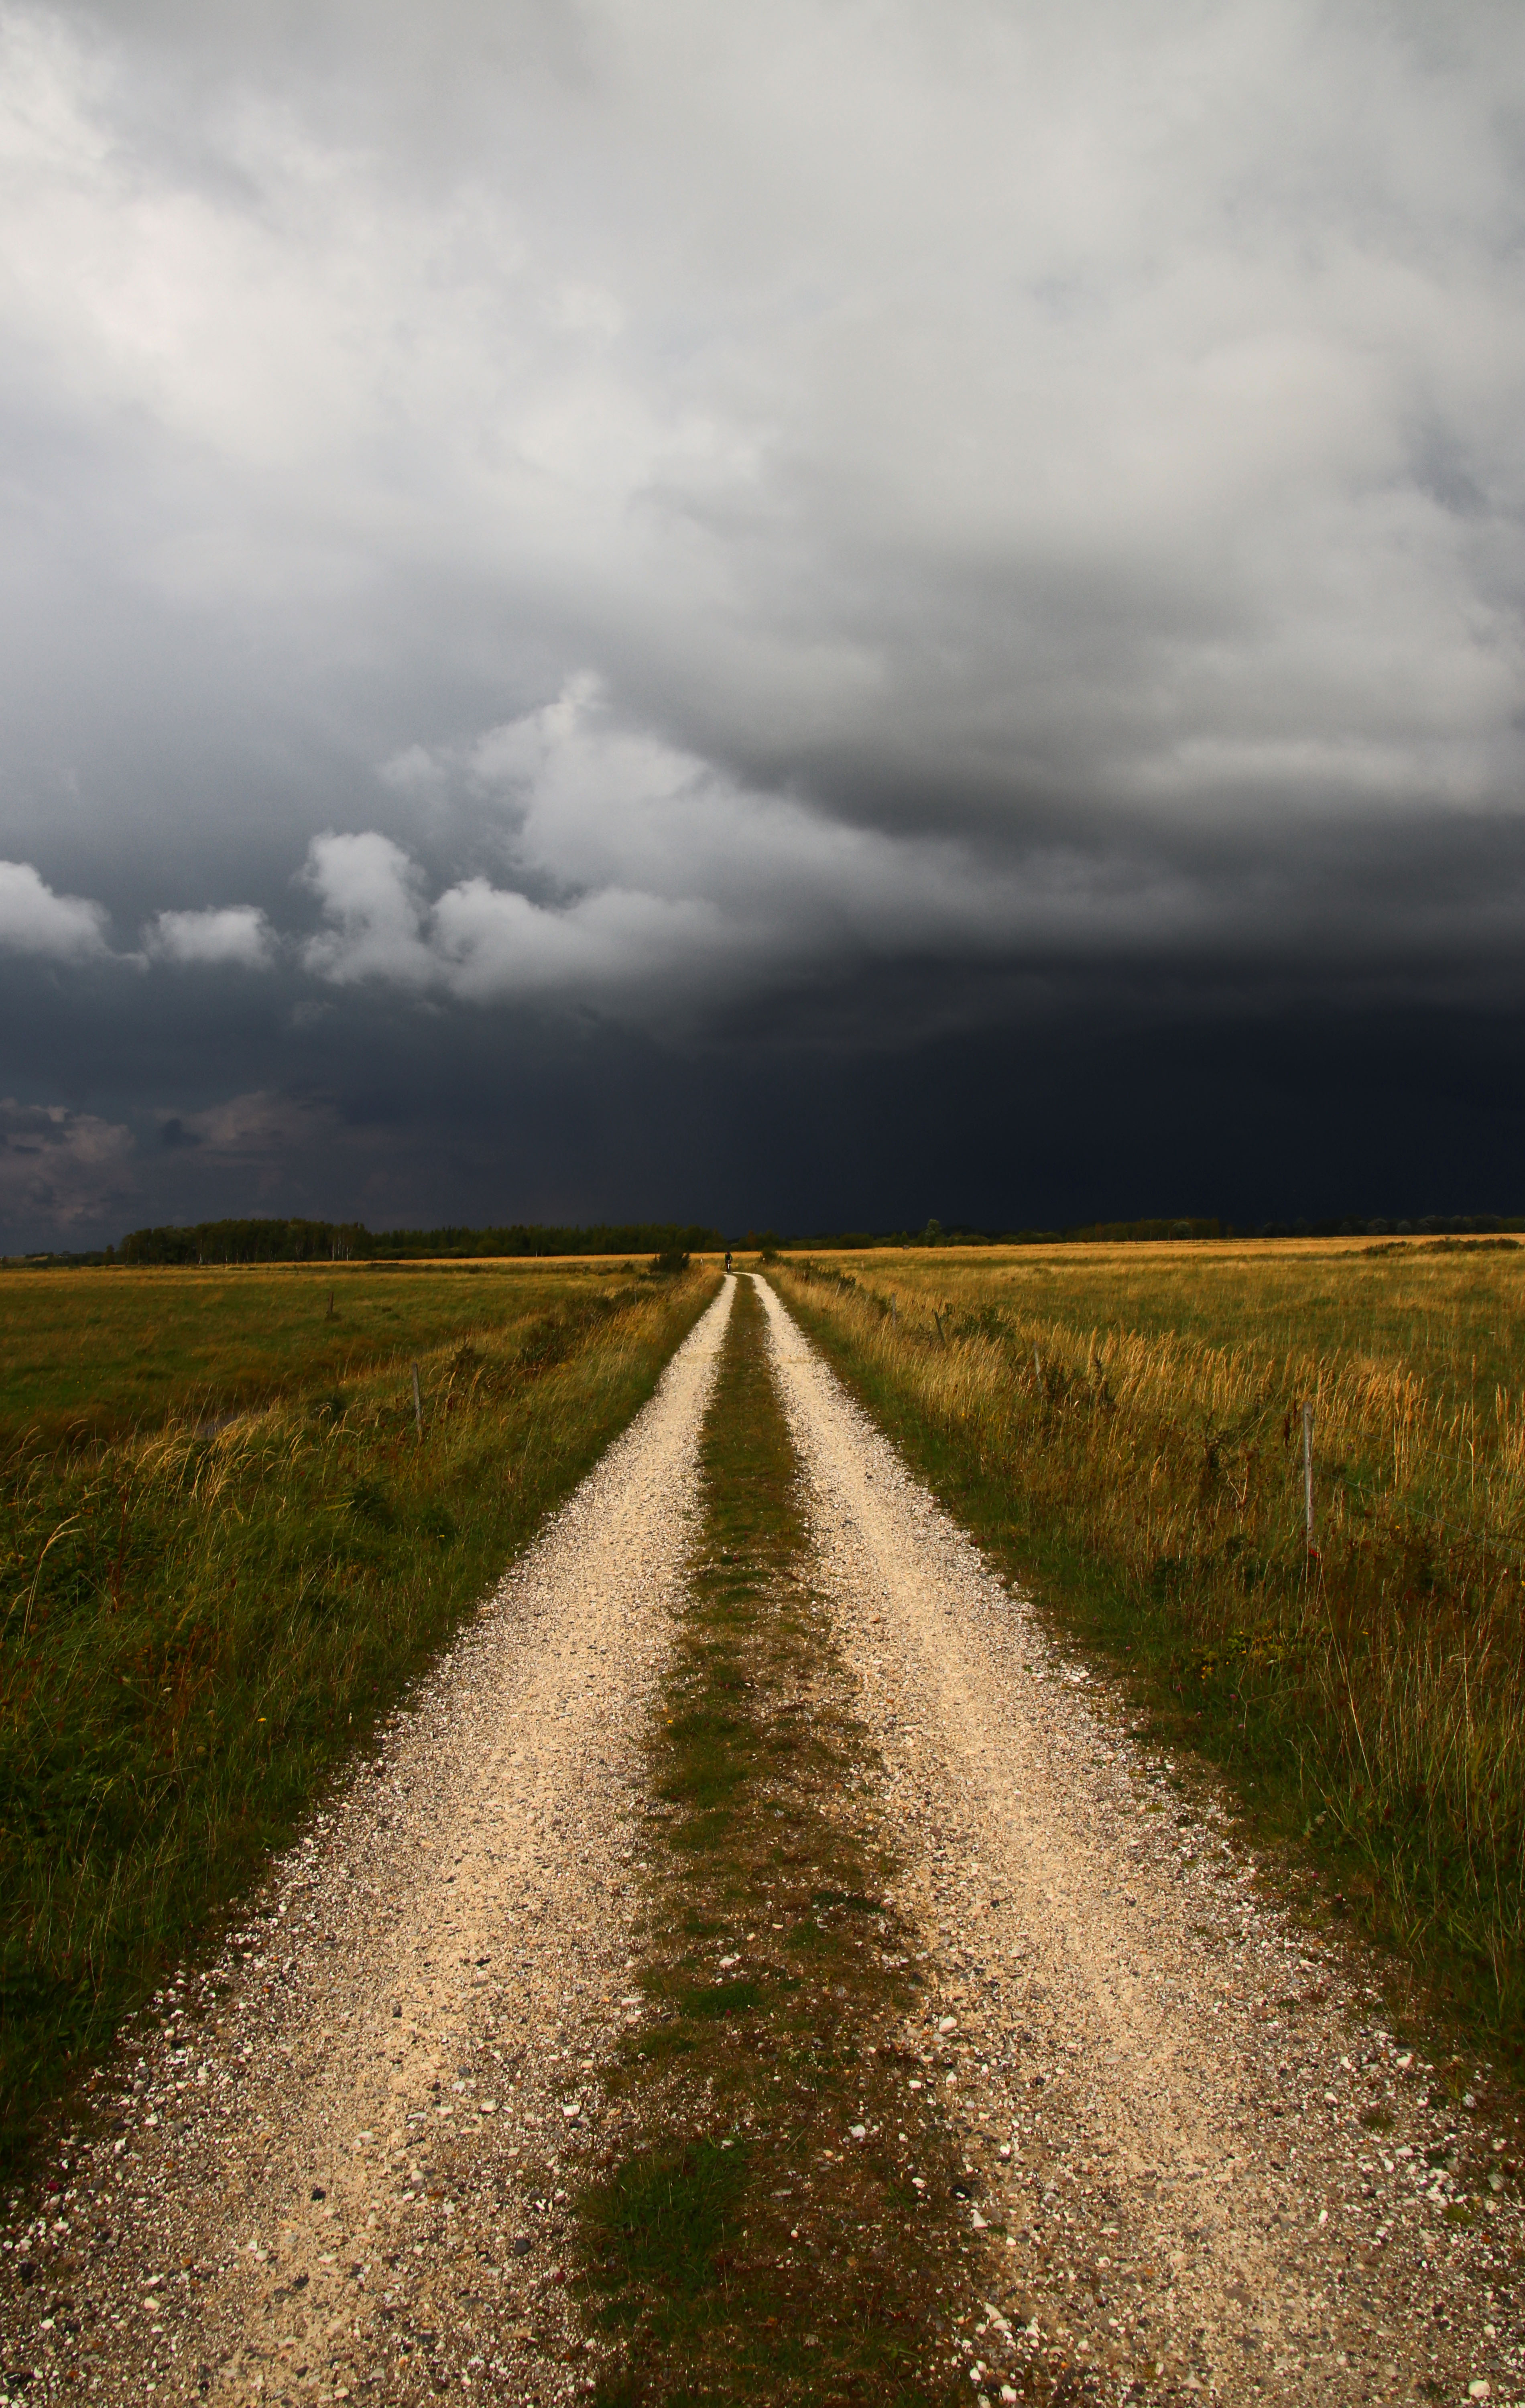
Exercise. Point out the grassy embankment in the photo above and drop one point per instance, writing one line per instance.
(785, 2225)
(1121, 1428)
(195, 1630)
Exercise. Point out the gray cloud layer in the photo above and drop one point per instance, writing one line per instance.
(646, 510)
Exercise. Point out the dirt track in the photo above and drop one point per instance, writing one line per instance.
(340, 2164)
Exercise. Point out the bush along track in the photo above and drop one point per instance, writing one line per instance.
(200, 1628)
(782, 2226)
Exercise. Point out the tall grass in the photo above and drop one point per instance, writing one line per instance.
(1153, 1481)
(196, 1629)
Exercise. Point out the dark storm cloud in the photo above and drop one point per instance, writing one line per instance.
(546, 544)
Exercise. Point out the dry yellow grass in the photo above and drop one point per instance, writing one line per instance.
(1136, 1414)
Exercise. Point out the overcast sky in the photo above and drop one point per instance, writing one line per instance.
(815, 614)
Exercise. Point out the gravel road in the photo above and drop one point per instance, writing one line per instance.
(1178, 2102)
(338, 2163)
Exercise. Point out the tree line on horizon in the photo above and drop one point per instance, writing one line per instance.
(212, 1244)
(1429, 1225)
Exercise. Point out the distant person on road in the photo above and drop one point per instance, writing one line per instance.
(727, 1259)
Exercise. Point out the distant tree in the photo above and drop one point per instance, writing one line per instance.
(285, 1241)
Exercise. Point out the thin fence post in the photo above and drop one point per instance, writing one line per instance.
(1307, 1476)
(418, 1404)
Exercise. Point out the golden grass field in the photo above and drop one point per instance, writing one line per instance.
(1126, 1422)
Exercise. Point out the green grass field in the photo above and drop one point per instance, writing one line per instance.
(97, 1353)
(1122, 1427)
(196, 1627)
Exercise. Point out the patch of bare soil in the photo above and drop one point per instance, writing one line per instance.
(338, 2162)
(1204, 2168)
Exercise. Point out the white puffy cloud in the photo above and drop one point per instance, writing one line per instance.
(637, 876)
(642, 876)
(649, 875)
(235, 936)
(483, 942)
(373, 900)
(59, 1167)
(35, 920)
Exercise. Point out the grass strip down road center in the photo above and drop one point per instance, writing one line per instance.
(785, 2226)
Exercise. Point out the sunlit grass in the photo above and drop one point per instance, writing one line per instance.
(196, 1629)
(100, 1353)
(1126, 1424)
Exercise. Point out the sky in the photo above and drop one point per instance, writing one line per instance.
(803, 615)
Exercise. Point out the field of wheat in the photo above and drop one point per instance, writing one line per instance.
(1127, 1424)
